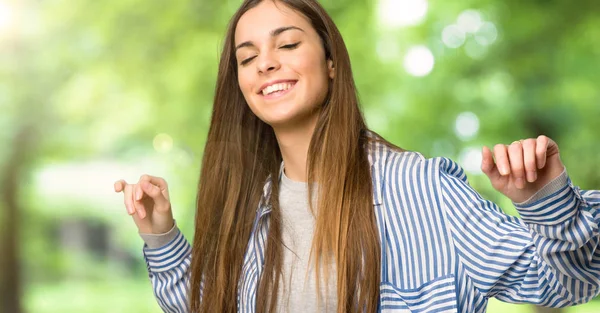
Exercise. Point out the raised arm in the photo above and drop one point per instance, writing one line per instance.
(166, 252)
(548, 257)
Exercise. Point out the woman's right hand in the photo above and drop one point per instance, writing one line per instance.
(148, 202)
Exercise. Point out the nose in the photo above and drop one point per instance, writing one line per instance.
(267, 63)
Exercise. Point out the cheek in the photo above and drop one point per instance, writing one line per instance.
(242, 80)
(245, 84)
(314, 66)
(315, 72)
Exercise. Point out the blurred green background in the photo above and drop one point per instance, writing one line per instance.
(95, 91)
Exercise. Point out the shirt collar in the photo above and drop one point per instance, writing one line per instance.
(265, 208)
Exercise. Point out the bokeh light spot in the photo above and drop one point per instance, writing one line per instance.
(466, 125)
(399, 13)
(470, 160)
(486, 34)
(6, 16)
(418, 61)
(474, 50)
(162, 143)
(469, 21)
(453, 36)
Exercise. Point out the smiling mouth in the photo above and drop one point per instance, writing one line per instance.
(277, 90)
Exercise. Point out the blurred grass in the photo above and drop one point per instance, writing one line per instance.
(124, 296)
(497, 306)
(135, 296)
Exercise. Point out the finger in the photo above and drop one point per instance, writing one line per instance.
(139, 193)
(129, 199)
(502, 162)
(139, 207)
(156, 194)
(529, 158)
(143, 227)
(517, 166)
(157, 181)
(541, 148)
(120, 185)
(487, 164)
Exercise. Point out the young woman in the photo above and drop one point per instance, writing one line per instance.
(302, 208)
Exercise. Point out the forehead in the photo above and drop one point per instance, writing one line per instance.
(266, 16)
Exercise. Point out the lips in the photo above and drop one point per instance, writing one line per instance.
(277, 90)
(275, 82)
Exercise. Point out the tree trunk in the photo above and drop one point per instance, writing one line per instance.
(10, 278)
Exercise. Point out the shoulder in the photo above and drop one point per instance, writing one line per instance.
(411, 167)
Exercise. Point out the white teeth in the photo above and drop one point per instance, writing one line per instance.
(276, 87)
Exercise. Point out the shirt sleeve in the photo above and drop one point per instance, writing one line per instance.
(169, 270)
(548, 257)
(155, 241)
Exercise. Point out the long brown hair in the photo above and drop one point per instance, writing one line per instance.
(242, 152)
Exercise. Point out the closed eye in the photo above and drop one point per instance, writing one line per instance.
(290, 46)
(246, 61)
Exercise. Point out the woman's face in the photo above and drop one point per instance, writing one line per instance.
(281, 64)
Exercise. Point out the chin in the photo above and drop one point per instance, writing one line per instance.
(278, 122)
(297, 120)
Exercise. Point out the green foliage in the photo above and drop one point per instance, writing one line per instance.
(120, 296)
(97, 81)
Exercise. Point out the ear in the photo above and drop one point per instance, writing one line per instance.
(330, 68)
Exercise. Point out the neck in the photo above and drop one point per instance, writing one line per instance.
(293, 143)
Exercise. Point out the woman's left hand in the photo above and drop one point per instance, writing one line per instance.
(523, 167)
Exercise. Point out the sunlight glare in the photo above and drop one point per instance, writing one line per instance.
(400, 13)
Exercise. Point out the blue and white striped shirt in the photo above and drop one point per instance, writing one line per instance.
(444, 247)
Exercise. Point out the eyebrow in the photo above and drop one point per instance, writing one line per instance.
(274, 33)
